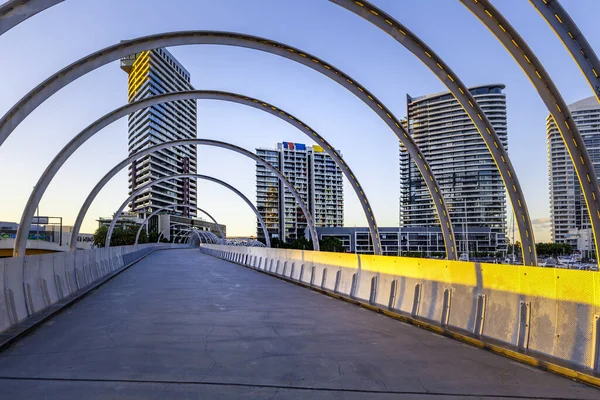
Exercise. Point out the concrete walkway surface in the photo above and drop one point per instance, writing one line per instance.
(181, 324)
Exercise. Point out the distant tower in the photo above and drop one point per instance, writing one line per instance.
(317, 179)
(459, 159)
(568, 211)
(151, 73)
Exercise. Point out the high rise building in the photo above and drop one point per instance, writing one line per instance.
(151, 73)
(317, 179)
(568, 212)
(459, 159)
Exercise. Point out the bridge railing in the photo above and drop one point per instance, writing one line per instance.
(32, 284)
(549, 315)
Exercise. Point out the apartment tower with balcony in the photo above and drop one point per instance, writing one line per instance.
(317, 179)
(568, 212)
(152, 73)
(459, 159)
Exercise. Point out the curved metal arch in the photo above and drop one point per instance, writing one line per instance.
(13, 12)
(189, 237)
(466, 100)
(181, 230)
(188, 240)
(89, 63)
(143, 188)
(188, 230)
(549, 93)
(206, 142)
(95, 127)
(170, 207)
(208, 236)
(567, 31)
(201, 234)
(166, 229)
(190, 234)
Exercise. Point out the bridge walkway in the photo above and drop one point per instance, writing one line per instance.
(181, 324)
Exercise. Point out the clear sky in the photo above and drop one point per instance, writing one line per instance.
(49, 41)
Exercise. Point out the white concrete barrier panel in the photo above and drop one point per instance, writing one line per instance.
(5, 319)
(32, 284)
(79, 272)
(13, 289)
(59, 264)
(70, 260)
(48, 281)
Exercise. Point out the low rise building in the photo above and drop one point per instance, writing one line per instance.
(417, 241)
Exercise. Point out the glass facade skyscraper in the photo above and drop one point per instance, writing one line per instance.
(151, 73)
(316, 178)
(568, 212)
(459, 159)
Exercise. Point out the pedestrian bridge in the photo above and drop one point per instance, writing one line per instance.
(164, 321)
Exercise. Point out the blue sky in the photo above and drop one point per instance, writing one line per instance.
(49, 41)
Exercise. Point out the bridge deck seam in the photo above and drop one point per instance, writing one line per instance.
(266, 386)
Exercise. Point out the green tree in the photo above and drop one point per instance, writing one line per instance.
(277, 243)
(120, 237)
(553, 249)
(143, 237)
(301, 243)
(152, 237)
(331, 244)
(100, 236)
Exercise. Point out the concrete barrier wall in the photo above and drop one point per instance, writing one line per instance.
(32, 283)
(553, 312)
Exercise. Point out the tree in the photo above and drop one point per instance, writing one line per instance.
(553, 249)
(152, 237)
(100, 236)
(301, 243)
(331, 244)
(143, 237)
(120, 236)
(278, 243)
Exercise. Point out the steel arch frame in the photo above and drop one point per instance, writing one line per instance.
(109, 118)
(190, 234)
(533, 68)
(461, 93)
(188, 240)
(16, 11)
(112, 53)
(141, 189)
(13, 12)
(567, 31)
(207, 142)
(215, 143)
(173, 206)
(206, 234)
(88, 201)
(169, 227)
(186, 230)
(189, 228)
(200, 233)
